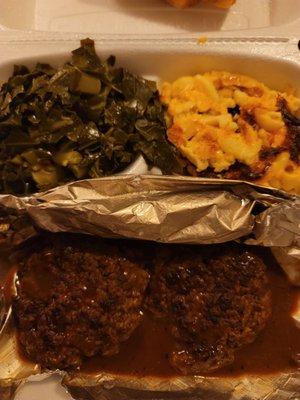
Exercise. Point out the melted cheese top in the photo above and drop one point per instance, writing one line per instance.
(220, 118)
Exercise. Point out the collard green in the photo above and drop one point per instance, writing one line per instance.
(86, 119)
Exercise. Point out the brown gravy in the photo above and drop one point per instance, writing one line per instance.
(276, 348)
(146, 352)
(8, 284)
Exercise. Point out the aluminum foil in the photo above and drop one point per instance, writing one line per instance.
(164, 209)
(283, 387)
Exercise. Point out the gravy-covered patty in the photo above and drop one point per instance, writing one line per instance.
(216, 300)
(75, 302)
(79, 297)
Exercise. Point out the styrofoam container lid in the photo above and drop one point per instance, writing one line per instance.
(149, 17)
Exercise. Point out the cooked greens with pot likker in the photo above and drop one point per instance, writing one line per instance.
(86, 119)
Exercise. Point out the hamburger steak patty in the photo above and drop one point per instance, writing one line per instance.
(74, 303)
(217, 300)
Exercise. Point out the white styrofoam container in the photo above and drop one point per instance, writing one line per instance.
(147, 16)
(273, 61)
(254, 37)
(276, 62)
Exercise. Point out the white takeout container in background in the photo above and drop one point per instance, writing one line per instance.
(148, 17)
(255, 37)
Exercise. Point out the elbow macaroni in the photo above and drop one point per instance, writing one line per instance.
(219, 118)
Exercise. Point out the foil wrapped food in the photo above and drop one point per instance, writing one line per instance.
(168, 210)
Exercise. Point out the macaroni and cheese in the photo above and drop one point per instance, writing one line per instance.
(219, 120)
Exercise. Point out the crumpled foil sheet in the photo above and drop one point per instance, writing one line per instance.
(164, 209)
(283, 387)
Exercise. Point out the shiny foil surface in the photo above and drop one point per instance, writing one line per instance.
(163, 209)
